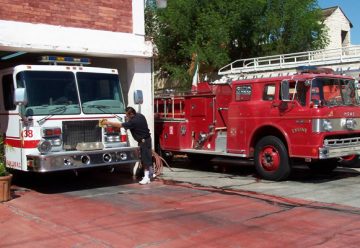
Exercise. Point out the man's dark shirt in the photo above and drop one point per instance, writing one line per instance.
(138, 127)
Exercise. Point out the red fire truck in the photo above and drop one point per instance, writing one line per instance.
(312, 116)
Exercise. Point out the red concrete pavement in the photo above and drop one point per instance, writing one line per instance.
(166, 214)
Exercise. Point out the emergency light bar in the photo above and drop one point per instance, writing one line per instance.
(314, 69)
(65, 60)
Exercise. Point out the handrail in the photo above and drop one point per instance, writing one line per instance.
(292, 60)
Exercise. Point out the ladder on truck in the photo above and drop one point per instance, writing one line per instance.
(341, 60)
(169, 106)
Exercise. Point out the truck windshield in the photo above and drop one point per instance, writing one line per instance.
(55, 92)
(100, 93)
(49, 92)
(334, 92)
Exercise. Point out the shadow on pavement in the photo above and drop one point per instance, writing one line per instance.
(87, 179)
(66, 181)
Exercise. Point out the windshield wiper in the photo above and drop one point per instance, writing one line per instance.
(97, 106)
(52, 112)
(101, 107)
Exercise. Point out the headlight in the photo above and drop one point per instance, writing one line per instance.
(112, 138)
(89, 146)
(56, 142)
(349, 124)
(44, 146)
(327, 125)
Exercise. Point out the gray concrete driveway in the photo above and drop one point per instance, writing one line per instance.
(339, 187)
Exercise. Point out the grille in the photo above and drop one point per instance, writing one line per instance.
(342, 142)
(75, 132)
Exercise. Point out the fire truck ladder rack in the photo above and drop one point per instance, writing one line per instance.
(169, 106)
(338, 58)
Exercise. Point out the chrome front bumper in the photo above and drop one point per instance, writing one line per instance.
(335, 152)
(339, 147)
(71, 160)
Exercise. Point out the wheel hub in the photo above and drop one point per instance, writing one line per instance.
(270, 158)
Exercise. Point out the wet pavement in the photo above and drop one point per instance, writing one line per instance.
(215, 206)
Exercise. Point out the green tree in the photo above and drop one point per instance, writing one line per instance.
(292, 26)
(216, 32)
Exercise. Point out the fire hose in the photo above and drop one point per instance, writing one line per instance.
(158, 165)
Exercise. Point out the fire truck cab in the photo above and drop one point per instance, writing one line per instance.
(312, 116)
(50, 116)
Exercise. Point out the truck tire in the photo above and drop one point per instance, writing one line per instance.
(350, 161)
(272, 159)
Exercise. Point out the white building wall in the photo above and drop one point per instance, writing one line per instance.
(139, 76)
(139, 73)
(22, 36)
(129, 47)
(336, 23)
(138, 17)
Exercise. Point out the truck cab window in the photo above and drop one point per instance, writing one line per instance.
(301, 92)
(269, 92)
(333, 92)
(243, 93)
(8, 92)
(289, 95)
(50, 92)
(100, 93)
(297, 91)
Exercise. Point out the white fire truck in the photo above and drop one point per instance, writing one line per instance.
(50, 116)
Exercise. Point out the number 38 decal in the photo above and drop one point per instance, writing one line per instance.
(27, 133)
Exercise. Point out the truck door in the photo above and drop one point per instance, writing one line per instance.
(292, 100)
(10, 123)
(201, 121)
(292, 110)
(241, 109)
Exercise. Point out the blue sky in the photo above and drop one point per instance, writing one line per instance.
(351, 9)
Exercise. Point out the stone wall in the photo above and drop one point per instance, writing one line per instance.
(336, 24)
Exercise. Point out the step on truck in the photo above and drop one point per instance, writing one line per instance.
(50, 116)
(312, 117)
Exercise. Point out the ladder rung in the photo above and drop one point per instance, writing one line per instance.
(293, 60)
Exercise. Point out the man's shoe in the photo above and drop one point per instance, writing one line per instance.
(145, 180)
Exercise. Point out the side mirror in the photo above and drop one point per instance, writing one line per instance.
(282, 105)
(20, 96)
(138, 97)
